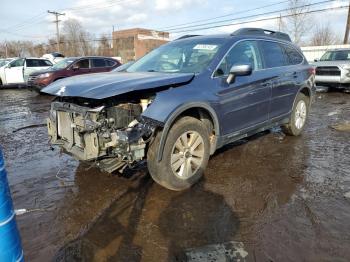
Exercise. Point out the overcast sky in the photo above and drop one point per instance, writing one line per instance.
(28, 19)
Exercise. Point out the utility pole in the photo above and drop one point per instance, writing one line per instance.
(57, 28)
(280, 23)
(6, 52)
(346, 37)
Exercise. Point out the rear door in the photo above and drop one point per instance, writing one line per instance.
(245, 103)
(14, 72)
(98, 65)
(31, 65)
(282, 75)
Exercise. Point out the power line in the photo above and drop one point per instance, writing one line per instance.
(24, 22)
(252, 16)
(217, 26)
(39, 18)
(222, 16)
(57, 28)
(263, 19)
(94, 6)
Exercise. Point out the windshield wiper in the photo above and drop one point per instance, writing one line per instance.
(152, 70)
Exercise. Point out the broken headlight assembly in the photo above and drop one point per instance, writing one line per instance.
(113, 137)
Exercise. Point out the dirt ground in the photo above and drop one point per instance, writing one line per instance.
(282, 198)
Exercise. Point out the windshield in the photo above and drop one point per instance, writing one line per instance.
(179, 57)
(339, 55)
(4, 62)
(63, 63)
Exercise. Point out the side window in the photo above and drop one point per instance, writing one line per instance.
(37, 63)
(293, 56)
(110, 62)
(19, 62)
(273, 54)
(84, 63)
(46, 63)
(245, 52)
(96, 62)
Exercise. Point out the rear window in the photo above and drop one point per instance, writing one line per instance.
(293, 56)
(273, 54)
(110, 62)
(37, 63)
(98, 63)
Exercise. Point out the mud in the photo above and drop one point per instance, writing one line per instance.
(277, 198)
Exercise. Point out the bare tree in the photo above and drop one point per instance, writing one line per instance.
(324, 35)
(76, 41)
(104, 46)
(298, 23)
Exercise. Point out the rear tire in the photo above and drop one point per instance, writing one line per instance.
(185, 156)
(298, 117)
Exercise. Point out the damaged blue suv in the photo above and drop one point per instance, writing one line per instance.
(181, 102)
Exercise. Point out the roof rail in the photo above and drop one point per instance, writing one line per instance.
(186, 36)
(260, 31)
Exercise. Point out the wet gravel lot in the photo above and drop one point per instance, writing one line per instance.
(283, 198)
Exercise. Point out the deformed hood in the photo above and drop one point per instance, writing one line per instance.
(104, 85)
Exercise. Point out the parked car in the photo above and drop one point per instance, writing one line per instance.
(181, 102)
(333, 69)
(54, 57)
(70, 67)
(17, 71)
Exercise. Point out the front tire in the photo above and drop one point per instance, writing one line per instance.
(185, 155)
(298, 117)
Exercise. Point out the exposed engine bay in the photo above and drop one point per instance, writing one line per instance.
(111, 136)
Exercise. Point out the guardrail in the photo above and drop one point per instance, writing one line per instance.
(10, 241)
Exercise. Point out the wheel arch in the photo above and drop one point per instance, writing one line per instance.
(199, 110)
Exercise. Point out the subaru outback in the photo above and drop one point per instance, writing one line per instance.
(181, 102)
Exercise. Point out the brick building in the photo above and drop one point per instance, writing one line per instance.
(132, 44)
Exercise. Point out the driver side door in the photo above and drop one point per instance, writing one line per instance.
(244, 103)
(14, 72)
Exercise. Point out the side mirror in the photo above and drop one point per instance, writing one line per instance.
(239, 70)
(315, 60)
(75, 67)
(8, 66)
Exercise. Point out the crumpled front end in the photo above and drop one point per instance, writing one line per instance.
(113, 137)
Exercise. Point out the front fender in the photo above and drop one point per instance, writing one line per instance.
(167, 107)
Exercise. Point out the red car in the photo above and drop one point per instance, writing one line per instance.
(70, 67)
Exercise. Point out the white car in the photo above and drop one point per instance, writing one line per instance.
(54, 57)
(17, 71)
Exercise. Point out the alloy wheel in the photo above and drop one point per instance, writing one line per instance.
(187, 154)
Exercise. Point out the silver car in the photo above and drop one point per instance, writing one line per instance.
(333, 69)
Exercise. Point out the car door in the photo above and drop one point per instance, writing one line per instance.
(244, 104)
(32, 65)
(82, 66)
(276, 67)
(14, 72)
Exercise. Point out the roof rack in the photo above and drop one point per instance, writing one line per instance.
(260, 31)
(186, 36)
